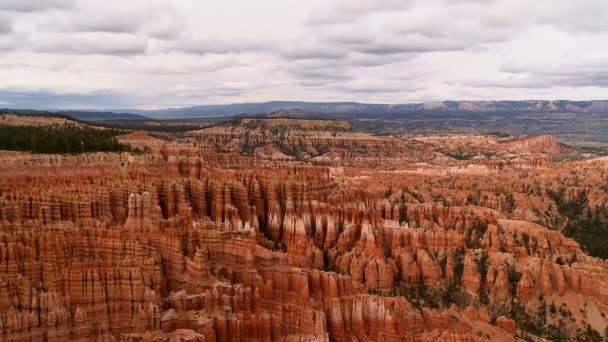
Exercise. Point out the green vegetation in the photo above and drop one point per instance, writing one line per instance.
(119, 121)
(510, 203)
(458, 154)
(475, 233)
(419, 295)
(587, 225)
(418, 197)
(60, 139)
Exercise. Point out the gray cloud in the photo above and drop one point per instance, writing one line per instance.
(410, 29)
(320, 74)
(347, 11)
(508, 84)
(173, 64)
(415, 43)
(35, 5)
(371, 90)
(113, 23)
(9, 42)
(160, 22)
(314, 50)
(370, 60)
(90, 44)
(6, 24)
(518, 75)
(316, 72)
(203, 46)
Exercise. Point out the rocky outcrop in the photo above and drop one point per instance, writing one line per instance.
(506, 324)
(471, 278)
(525, 287)
(185, 243)
(497, 281)
(538, 144)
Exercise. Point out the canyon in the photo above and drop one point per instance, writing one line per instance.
(302, 230)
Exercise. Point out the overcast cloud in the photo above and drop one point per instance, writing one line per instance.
(156, 54)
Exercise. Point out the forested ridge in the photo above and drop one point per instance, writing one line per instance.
(60, 139)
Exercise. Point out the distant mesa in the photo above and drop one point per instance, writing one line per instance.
(291, 123)
(9, 119)
(538, 144)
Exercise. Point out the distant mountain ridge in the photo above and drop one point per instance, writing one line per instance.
(83, 115)
(584, 121)
(334, 109)
(103, 116)
(345, 108)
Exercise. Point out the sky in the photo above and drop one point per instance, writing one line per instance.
(149, 54)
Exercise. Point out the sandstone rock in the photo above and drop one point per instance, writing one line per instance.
(185, 243)
(545, 281)
(506, 324)
(501, 288)
(525, 287)
(471, 278)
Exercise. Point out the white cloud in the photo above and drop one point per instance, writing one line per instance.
(153, 53)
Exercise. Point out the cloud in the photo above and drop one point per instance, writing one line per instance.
(193, 93)
(175, 64)
(35, 5)
(164, 22)
(318, 71)
(9, 42)
(319, 74)
(160, 21)
(578, 16)
(153, 53)
(108, 23)
(203, 46)
(388, 28)
(312, 50)
(589, 74)
(6, 24)
(430, 23)
(414, 43)
(341, 11)
(90, 43)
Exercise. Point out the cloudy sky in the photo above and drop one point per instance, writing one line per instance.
(157, 54)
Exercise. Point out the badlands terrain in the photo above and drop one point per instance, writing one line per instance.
(303, 230)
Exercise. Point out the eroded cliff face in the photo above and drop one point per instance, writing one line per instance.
(182, 243)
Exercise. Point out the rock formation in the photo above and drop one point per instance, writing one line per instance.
(186, 243)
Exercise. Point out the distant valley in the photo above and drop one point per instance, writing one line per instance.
(575, 122)
(572, 121)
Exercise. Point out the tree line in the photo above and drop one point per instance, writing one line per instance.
(60, 139)
(586, 224)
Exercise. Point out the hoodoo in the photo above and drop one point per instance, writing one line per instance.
(376, 241)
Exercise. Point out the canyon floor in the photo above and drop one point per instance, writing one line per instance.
(304, 230)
